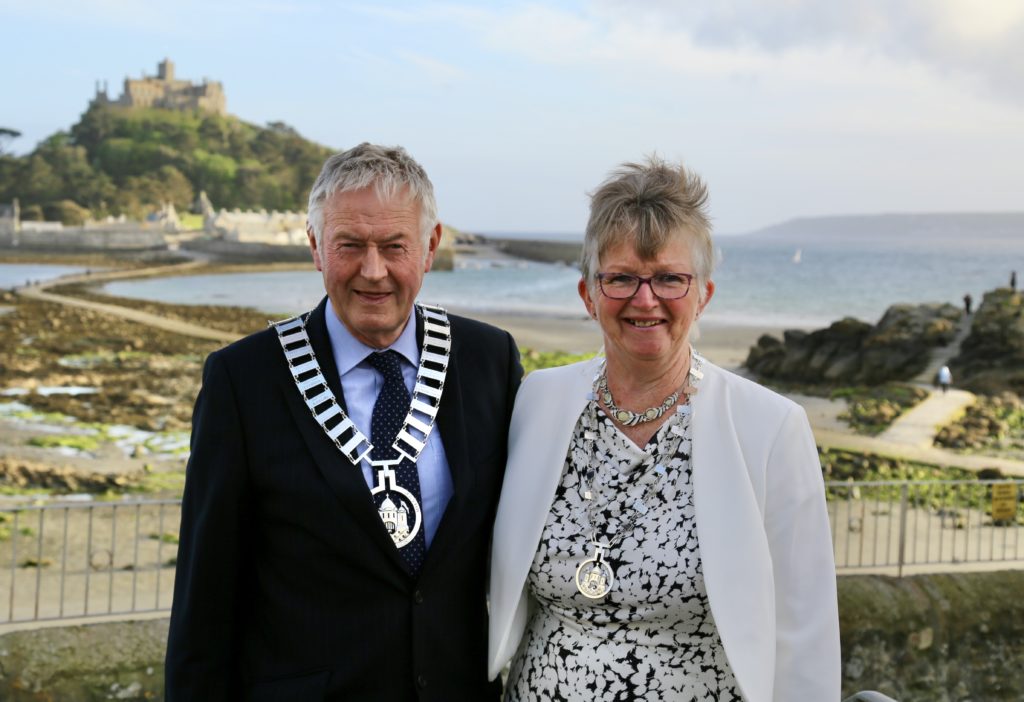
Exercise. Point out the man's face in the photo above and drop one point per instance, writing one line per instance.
(373, 258)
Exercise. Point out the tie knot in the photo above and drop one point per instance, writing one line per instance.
(387, 364)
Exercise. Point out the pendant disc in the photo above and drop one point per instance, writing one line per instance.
(399, 511)
(594, 578)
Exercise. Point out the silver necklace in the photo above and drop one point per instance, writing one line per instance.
(628, 417)
(402, 524)
(595, 576)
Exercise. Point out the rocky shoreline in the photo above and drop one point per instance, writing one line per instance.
(145, 379)
(88, 395)
(854, 352)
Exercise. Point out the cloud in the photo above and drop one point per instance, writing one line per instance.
(966, 44)
(956, 38)
(434, 69)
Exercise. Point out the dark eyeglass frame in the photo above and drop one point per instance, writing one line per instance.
(640, 280)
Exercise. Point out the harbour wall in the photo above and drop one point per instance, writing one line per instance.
(80, 239)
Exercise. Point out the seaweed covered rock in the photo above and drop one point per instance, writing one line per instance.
(852, 351)
(992, 423)
(991, 358)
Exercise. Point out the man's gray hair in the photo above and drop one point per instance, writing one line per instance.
(647, 205)
(389, 169)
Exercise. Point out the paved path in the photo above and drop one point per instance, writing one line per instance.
(940, 356)
(923, 454)
(911, 436)
(39, 292)
(919, 425)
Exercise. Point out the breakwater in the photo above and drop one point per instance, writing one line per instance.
(567, 252)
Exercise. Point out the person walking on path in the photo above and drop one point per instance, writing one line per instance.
(945, 378)
(968, 300)
(1013, 281)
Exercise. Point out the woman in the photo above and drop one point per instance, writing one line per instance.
(662, 531)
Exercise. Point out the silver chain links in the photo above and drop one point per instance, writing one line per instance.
(320, 399)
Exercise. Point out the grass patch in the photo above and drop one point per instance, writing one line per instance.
(535, 360)
(852, 468)
(77, 442)
(190, 221)
(162, 482)
(167, 537)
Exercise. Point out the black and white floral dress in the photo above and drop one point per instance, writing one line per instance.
(652, 637)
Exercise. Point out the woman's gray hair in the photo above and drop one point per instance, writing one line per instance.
(647, 205)
(389, 169)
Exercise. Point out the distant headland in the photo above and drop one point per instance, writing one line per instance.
(927, 226)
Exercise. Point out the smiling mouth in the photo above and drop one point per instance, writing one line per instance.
(645, 323)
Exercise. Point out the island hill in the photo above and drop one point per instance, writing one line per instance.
(164, 140)
(116, 181)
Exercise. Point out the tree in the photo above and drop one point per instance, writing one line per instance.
(6, 135)
(123, 160)
(68, 212)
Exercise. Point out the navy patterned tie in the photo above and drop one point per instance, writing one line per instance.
(388, 412)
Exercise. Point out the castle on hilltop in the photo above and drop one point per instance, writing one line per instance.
(166, 91)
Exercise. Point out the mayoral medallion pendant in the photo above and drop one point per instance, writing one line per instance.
(594, 576)
(397, 507)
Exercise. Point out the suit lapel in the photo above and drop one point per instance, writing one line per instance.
(345, 480)
(450, 422)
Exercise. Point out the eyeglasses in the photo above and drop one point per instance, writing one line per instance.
(665, 286)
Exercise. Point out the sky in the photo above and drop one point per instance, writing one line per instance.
(787, 108)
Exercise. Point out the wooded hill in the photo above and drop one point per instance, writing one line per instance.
(119, 160)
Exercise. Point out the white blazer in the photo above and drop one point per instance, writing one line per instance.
(762, 526)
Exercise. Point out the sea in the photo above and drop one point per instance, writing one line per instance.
(763, 281)
(18, 274)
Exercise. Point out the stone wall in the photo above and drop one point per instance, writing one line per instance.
(924, 638)
(567, 252)
(250, 252)
(260, 227)
(110, 661)
(93, 238)
(934, 638)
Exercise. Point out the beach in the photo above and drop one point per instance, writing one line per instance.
(723, 344)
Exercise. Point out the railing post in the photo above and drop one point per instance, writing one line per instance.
(904, 490)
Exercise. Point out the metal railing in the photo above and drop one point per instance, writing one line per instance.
(887, 525)
(69, 560)
(61, 561)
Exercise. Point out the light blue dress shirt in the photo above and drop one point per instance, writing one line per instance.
(360, 383)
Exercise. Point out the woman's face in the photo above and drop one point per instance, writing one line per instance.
(645, 328)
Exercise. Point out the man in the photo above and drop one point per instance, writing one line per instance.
(312, 566)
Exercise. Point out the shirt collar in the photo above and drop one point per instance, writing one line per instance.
(349, 352)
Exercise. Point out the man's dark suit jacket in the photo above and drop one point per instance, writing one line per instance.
(288, 586)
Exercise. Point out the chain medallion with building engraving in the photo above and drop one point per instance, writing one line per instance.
(399, 510)
(595, 577)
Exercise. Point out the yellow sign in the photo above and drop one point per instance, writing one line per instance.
(1004, 502)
